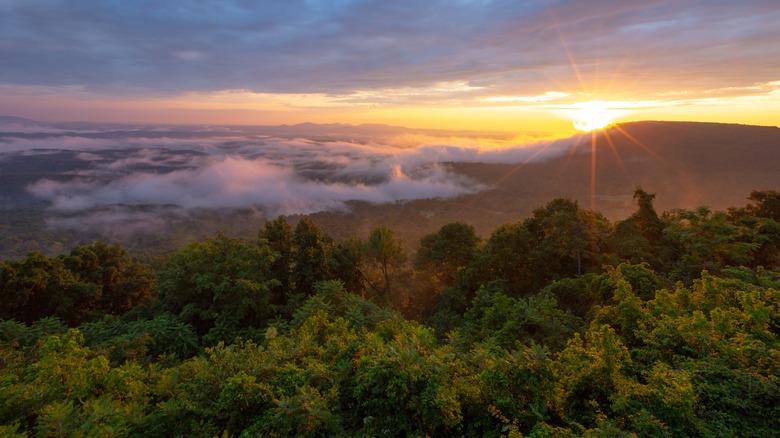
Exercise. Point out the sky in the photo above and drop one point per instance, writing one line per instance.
(489, 65)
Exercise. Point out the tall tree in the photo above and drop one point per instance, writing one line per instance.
(568, 237)
(123, 282)
(383, 253)
(640, 237)
(650, 225)
(313, 261)
(221, 286)
(347, 261)
(766, 203)
(508, 255)
(447, 251)
(762, 218)
(38, 287)
(279, 235)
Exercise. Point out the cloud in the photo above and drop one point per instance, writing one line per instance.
(356, 51)
(276, 175)
(69, 143)
(118, 221)
(239, 183)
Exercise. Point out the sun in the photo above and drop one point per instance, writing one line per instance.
(593, 115)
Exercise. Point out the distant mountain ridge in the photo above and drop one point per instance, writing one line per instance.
(305, 128)
(16, 121)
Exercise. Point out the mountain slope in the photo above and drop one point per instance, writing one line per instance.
(687, 164)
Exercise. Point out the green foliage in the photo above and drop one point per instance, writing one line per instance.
(38, 287)
(640, 238)
(447, 251)
(279, 235)
(313, 261)
(766, 204)
(509, 255)
(221, 286)
(142, 339)
(93, 279)
(15, 334)
(286, 388)
(123, 283)
(166, 335)
(578, 295)
(11, 431)
(503, 321)
(382, 254)
(68, 390)
(569, 238)
(332, 298)
(643, 280)
(348, 258)
(705, 354)
(273, 337)
(587, 373)
(505, 391)
(706, 241)
(403, 383)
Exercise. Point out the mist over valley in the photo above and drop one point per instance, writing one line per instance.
(137, 184)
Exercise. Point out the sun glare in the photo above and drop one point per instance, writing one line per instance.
(593, 115)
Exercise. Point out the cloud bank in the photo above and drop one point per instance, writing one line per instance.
(234, 182)
(296, 175)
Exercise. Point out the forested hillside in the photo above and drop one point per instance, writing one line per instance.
(562, 324)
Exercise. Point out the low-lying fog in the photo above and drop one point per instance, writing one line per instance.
(279, 170)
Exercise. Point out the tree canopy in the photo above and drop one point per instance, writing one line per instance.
(562, 324)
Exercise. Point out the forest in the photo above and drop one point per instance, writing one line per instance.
(562, 324)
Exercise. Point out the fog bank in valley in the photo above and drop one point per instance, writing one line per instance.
(107, 176)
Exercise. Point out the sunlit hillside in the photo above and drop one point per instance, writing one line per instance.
(686, 164)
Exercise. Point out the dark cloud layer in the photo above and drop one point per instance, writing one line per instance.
(337, 47)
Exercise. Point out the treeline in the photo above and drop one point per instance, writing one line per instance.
(563, 324)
